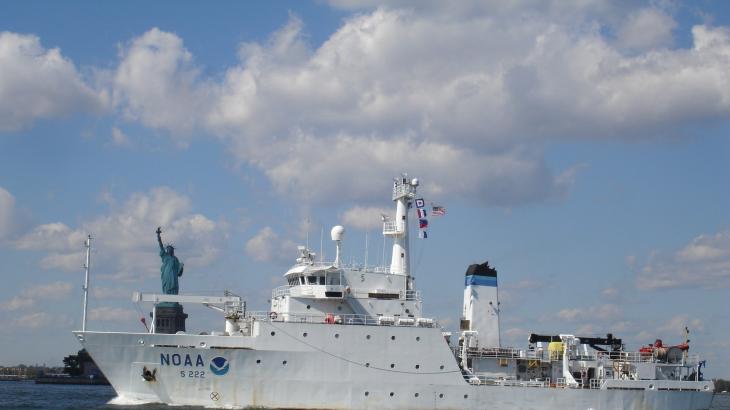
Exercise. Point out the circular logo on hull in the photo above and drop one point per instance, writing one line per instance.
(219, 365)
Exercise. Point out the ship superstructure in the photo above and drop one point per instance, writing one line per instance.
(338, 336)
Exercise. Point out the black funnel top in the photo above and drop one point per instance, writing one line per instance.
(481, 269)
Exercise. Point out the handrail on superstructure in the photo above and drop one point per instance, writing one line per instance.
(342, 319)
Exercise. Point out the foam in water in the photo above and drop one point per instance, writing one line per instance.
(129, 401)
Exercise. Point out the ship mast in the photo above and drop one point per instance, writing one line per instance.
(86, 281)
(404, 190)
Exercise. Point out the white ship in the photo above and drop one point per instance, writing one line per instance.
(339, 337)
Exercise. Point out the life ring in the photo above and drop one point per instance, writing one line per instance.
(273, 315)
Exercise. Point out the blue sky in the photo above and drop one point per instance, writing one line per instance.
(581, 147)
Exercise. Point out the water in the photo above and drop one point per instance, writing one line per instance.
(27, 395)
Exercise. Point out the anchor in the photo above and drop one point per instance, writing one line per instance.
(149, 376)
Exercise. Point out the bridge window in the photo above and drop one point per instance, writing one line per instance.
(333, 279)
(312, 280)
(301, 280)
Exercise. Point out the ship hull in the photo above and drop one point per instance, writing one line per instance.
(318, 366)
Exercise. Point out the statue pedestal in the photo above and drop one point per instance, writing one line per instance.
(169, 318)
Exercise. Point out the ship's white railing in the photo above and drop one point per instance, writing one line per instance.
(281, 291)
(489, 379)
(403, 189)
(544, 355)
(497, 352)
(347, 319)
(307, 290)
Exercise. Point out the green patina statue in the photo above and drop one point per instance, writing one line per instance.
(171, 267)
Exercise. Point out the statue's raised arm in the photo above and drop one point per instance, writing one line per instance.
(159, 238)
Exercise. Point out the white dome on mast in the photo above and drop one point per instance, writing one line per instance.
(337, 233)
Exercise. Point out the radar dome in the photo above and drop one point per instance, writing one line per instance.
(414, 182)
(337, 232)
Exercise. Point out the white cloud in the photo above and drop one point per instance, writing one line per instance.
(156, 83)
(55, 290)
(119, 138)
(463, 96)
(464, 103)
(41, 319)
(267, 245)
(18, 302)
(7, 213)
(31, 296)
(104, 292)
(610, 292)
(675, 326)
(365, 218)
(111, 314)
(36, 83)
(602, 313)
(124, 240)
(704, 262)
(646, 29)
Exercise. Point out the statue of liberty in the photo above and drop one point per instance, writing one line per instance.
(171, 267)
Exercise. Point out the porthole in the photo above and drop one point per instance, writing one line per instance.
(367, 364)
(415, 395)
(651, 387)
(273, 333)
(258, 361)
(309, 307)
(392, 394)
(202, 344)
(337, 335)
(367, 337)
(466, 396)
(304, 334)
(392, 365)
(441, 395)
(442, 367)
(367, 393)
(392, 338)
(284, 362)
(418, 366)
(418, 338)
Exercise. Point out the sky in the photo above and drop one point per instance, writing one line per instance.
(580, 146)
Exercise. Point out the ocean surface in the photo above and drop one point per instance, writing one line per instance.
(28, 395)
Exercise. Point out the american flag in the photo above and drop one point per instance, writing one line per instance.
(438, 210)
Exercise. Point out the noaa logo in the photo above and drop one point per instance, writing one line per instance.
(219, 365)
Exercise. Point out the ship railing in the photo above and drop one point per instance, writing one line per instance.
(307, 290)
(281, 291)
(401, 189)
(635, 357)
(342, 319)
(544, 355)
(495, 352)
(596, 383)
(491, 380)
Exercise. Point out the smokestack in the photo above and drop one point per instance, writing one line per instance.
(481, 305)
